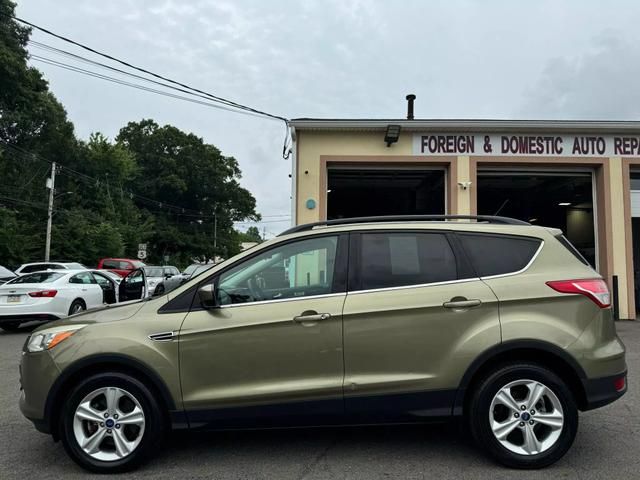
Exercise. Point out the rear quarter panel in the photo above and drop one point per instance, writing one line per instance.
(530, 309)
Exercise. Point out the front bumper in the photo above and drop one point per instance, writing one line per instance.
(38, 372)
(603, 391)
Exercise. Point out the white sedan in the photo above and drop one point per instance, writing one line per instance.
(48, 296)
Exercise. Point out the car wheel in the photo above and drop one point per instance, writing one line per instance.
(158, 291)
(524, 416)
(110, 423)
(77, 306)
(10, 326)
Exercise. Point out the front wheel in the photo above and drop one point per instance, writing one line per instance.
(110, 423)
(524, 416)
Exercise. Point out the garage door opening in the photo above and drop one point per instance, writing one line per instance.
(550, 199)
(357, 192)
(635, 233)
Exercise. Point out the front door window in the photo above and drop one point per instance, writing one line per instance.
(300, 269)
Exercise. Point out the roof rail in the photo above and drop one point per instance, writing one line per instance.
(405, 218)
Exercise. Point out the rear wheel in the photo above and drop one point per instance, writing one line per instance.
(10, 326)
(110, 423)
(524, 416)
(76, 307)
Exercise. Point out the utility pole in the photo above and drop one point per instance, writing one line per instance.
(51, 183)
(215, 236)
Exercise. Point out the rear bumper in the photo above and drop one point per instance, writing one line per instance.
(27, 317)
(603, 391)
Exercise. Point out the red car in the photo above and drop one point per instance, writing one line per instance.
(121, 266)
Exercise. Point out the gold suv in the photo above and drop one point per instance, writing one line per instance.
(374, 320)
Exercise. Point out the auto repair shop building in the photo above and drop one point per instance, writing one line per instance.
(579, 176)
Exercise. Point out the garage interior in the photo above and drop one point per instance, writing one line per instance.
(358, 192)
(552, 199)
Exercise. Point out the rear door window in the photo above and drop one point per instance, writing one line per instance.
(498, 254)
(389, 259)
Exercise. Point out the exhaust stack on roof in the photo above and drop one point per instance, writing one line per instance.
(410, 98)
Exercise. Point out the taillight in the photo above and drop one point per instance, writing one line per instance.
(44, 294)
(594, 289)
(620, 383)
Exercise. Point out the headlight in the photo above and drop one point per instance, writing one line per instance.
(47, 339)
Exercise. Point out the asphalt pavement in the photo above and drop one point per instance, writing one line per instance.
(607, 445)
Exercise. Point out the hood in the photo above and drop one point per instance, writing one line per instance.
(110, 313)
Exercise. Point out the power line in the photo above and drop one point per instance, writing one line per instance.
(80, 58)
(148, 72)
(90, 73)
(286, 149)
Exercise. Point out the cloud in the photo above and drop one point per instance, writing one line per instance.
(599, 83)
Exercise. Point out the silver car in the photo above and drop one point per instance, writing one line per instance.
(161, 280)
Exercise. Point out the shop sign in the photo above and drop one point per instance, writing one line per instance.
(525, 145)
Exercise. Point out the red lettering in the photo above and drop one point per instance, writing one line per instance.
(617, 145)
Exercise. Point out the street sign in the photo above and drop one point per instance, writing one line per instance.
(142, 254)
(142, 246)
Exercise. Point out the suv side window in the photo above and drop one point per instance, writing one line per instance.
(498, 254)
(298, 269)
(403, 259)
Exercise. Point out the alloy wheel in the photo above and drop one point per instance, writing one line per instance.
(526, 417)
(109, 424)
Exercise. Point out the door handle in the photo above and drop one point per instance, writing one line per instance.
(311, 317)
(459, 303)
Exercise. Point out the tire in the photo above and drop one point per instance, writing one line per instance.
(145, 437)
(77, 306)
(551, 438)
(158, 291)
(10, 326)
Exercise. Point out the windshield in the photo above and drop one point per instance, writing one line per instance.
(40, 277)
(138, 264)
(76, 266)
(153, 272)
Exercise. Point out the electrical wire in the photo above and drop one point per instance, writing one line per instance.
(147, 72)
(288, 141)
(90, 73)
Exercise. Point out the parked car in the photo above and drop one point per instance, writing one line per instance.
(375, 320)
(54, 294)
(42, 266)
(121, 266)
(194, 270)
(161, 280)
(6, 275)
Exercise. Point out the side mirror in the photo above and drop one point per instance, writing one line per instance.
(208, 296)
(168, 276)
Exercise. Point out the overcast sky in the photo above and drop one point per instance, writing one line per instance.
(344, 58)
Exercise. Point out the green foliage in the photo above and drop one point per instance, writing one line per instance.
(153, 184)
(251, 235)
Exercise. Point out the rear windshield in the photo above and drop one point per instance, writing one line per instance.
(569, 246)
(153, 272)
(40, 277)
(498, 254)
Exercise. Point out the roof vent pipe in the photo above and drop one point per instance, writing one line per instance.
(410, 98)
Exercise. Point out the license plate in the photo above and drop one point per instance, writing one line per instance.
(13, 299)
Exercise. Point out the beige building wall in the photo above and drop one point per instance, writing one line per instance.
(315, 148)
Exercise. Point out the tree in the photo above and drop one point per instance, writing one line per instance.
(31, 120)
(176, 168)
(251, 235)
